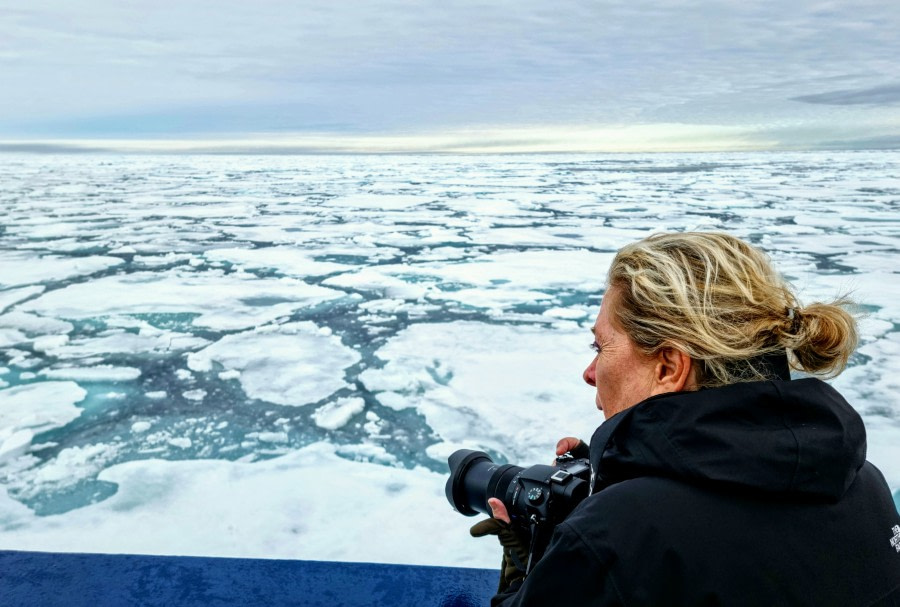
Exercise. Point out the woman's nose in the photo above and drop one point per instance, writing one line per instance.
(588, 374)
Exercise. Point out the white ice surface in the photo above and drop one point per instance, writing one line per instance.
(117, 341)
(379, 202)
(32, 408)
(68, 467)
(514, 390)
(33, 324)
(501, 277)
(288, 261)
(93, 374)
(11, 337)
(308, 504)
(289, 364)
(426, 239)
(11, 296)
(335, 415)
(222, 302)
(18, 269)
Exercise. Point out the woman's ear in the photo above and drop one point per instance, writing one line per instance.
(673, 372)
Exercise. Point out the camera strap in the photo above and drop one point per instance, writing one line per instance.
(539, 541)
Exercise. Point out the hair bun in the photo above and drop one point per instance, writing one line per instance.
(824, 338)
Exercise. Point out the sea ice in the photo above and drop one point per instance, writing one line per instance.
(68, 467)
(337, 414)
(98, 373)
(16, 444)
(212, 508)
(35, 325)
(514, 390)
(286, 260)
(465, 290)
(379, 202)
(39, 406)
(221, 302)
(122, 342)
(502, 279)
(49, 342)
(11, 337)
(21, 269)
(12, 296)
(289, 364)
(375, 280)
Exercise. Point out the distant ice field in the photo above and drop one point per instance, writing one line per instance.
(274, 356)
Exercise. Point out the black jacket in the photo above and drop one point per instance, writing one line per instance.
(751, 494)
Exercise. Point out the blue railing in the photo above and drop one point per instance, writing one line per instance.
(117, 580)
(112, 580)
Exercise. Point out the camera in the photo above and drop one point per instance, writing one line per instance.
(534, 496)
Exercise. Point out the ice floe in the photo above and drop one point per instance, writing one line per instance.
(413, 306)
(286, 260)
(514, 390)
(20, 269)
(30, 409)
(289, 364)
(117, 341)
(105, 373)
(332, 416)
(221, 302)
(268, 509)
(12, 296)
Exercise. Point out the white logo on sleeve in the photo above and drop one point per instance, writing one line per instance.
(895, 541)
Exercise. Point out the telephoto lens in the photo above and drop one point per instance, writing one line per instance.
(544, 494)
(475, 478)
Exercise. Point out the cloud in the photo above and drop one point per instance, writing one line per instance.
(100, 68)
(879, 95)
(53, 148)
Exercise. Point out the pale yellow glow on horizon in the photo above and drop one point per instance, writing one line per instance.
(608, 139)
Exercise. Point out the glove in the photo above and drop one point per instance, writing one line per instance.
(515, 544)
(581, 451)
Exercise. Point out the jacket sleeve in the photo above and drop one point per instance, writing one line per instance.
(570, 574)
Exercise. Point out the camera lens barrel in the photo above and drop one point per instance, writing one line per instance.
(546, 492)
(474, 478)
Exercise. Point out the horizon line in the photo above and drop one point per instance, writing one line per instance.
(655, 138)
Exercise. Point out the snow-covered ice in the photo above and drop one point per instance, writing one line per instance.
(224, 355)
(220, 301)
(93, 374)
(469, 379)
(23, 269)
(289, 364)
(337, 414)
(280, 508)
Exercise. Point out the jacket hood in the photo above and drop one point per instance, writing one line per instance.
(798, 438)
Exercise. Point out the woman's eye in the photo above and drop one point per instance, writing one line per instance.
(595, 347)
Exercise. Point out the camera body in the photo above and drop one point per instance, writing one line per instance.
(536, 495)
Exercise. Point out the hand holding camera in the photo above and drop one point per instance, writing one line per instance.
(530, 501)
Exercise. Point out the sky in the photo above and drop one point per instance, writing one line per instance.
(449, 75)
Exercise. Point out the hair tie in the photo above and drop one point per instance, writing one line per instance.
(794, 316)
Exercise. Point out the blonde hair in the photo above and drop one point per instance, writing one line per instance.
(718, 299)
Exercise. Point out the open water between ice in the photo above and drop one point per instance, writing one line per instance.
(272, 356)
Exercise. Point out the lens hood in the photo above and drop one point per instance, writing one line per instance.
(459, 462)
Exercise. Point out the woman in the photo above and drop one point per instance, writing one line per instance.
(717, 480)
